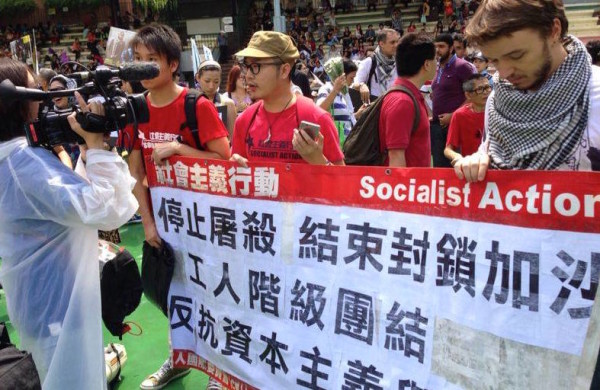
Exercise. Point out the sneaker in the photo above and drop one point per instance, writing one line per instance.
(213, 384)
(165, 374)
(135, 219)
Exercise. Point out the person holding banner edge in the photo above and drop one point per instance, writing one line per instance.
(544, 112)
(165, 135)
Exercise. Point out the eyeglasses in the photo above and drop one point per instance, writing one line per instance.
(483, 89)
(255, 66)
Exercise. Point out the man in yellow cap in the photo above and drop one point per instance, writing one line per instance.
(269, 129)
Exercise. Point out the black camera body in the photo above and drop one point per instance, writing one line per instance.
(52, 127)
(120, 109)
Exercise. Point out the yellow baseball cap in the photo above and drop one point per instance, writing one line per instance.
(268, 44)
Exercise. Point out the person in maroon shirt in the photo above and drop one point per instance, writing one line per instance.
(466, 126)
(415, 63)
(447, 94)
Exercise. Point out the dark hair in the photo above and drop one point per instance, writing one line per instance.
(460, 38)
(46, 74)
(467, 85)
(207, 68)
(349, 66)
(234, 75)
(412, 52)
(593, 47)
(445, 38)
(496, 18)
(14, 114)
(382, 36)
(162, 39)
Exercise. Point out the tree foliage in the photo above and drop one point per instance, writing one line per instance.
(155, 5)
(12, 7)
(75, 4)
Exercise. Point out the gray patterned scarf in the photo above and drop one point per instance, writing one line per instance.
(541, 129)
(385, 68)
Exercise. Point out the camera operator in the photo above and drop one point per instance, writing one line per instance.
(48, 241)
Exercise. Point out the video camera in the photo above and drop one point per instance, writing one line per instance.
(52, 127)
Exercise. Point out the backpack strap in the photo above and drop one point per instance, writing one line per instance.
(191, 122)
(417, 118)
(372, 71)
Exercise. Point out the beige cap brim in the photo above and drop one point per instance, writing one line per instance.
(255, 53)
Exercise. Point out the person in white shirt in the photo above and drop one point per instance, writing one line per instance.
(331, 98)
(377, 73)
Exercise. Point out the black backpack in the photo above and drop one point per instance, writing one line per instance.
(157, 271)
(362, 146)
(121, 291)
(17, 368)
(191, 122)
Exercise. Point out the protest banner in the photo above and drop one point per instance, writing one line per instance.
(298, 276)
(118, 50)
(22, 50)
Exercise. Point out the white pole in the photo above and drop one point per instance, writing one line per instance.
(277, 16)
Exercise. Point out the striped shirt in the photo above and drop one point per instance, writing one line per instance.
(342, 110)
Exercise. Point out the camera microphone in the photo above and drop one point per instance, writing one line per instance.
(9, 92)
(134, 71)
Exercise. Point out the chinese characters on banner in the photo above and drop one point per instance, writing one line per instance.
(293, 276)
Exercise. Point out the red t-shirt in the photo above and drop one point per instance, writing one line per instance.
(466, 130)
(254, 143)
(166, 122)
(395, 126)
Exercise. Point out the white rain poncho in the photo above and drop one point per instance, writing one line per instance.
(49, 218)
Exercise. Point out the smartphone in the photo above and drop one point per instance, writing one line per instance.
(312, 129)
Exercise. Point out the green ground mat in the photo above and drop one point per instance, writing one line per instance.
(145, 353)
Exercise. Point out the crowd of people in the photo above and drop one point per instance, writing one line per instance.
(430, 99)
(315, 30)
(57, 55)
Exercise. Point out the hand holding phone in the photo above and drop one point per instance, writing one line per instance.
(312, 129)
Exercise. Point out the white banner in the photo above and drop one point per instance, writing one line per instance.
(207, 53)
(281, 295)
(196, 60)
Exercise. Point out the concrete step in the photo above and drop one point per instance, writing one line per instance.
(581, 6)
(406, 19)
(577, 19)
(586, 32)
(380, 12)
(354, 15)
(580, 13)
(581, 25)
